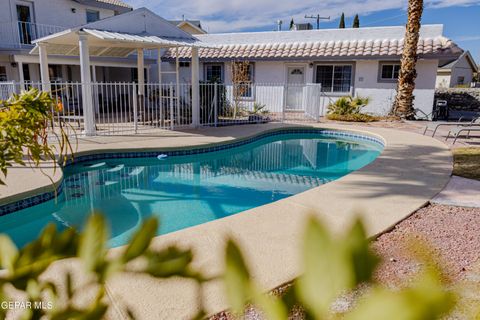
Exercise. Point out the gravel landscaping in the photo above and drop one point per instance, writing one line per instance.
(451, 233)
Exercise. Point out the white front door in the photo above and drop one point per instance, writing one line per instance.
(295, 85)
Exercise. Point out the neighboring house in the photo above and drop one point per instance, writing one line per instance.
(302, 26)
(25, 21)
(459, 72)
(189, 26)
(358, 62)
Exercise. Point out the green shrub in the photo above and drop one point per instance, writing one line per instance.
(333, 267)
(24, 123)
(24, 269)
(347, 105)
(349, 109)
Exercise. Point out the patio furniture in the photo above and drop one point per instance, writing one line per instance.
(435, 125)
(456, 132)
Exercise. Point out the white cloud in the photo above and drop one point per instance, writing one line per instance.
(237, 15)
(467, 38)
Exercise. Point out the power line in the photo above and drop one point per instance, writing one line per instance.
(381, 20)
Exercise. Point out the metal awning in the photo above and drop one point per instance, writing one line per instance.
(110, 44)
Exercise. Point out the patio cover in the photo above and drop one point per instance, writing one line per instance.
(120, 36)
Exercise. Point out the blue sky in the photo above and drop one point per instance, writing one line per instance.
(461, 18)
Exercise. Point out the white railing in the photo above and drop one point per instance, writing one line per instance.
(17, 33)
(124, 108)
(222, 104)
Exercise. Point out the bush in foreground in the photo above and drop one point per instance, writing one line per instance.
(332, 267)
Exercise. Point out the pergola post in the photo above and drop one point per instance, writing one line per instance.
(141, 84)
(21, 75)
(87, 96)
(159, 66)
(45, 76)
(195, 89)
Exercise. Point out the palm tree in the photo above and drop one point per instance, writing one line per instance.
(403, 105)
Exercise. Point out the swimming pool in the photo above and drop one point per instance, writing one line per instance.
(184, 189)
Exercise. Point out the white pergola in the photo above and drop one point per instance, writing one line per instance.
(85, 43)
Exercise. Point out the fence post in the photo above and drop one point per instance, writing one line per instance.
(284, 103)
(135, 107)
(172, 118)
(195, 66)
(215, 103)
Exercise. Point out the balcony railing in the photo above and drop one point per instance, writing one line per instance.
(18, 34)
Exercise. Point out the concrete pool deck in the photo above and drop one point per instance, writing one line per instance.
(411, 170)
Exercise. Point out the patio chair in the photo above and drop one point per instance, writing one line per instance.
(456, 132)
(435, 125)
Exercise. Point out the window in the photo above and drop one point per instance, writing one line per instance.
(3, 74)
(461, 80)
(245, 71)
(25, 26)
(214, 73)
(93, 16)
(389, 71)
(184, 64)
(334, 78)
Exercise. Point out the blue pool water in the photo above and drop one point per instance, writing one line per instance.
(184, 191)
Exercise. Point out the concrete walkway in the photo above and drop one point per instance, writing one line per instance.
(460, 192)
(411, 171)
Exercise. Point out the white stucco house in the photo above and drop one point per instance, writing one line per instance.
(358, 62)
(458, 72)
(23, 22)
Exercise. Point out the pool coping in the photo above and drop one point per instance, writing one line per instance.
(411, 170)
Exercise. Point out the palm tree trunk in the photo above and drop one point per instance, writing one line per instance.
(403, 106)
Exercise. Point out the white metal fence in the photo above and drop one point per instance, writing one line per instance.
(124, 108)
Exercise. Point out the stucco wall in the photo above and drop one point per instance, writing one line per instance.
(443, 80)
(382, 94)
(462, 69)
(53, 12)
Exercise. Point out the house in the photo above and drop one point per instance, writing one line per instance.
(459, 72)
(358, 62)
(25, 21)
(189, 26)
(303, 26)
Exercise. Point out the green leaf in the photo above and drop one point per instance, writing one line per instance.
(237, 278)
(141, 240)
(8, 253)
(169, 262)
(93, 241)
(325, 274)
(332, 266)
(363, 260)
(427, 299)
(272, 307)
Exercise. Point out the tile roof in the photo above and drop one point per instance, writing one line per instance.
(369, 42)
(115, 3)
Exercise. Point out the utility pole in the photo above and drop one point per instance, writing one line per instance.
(318, 18)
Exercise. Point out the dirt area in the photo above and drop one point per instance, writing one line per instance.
(450, 232)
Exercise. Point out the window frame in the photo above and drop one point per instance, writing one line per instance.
(5, 74)
(210, 64)
(87, 11)
(336, 64)
(381, 64)
(251, 82)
